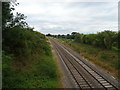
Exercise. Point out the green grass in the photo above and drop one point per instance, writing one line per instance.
(107, 59)
(42, 73)
(27, 60)
(103, 55)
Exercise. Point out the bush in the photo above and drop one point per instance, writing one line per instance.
(106, 39)
(24, 42)
(32, 64)
(103, 55)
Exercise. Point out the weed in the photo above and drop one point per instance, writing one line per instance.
(31, 64)
(103, 55)
(107, 59)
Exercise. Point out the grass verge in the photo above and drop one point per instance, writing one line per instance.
(58, 68)
(36, 69)
(107, 59)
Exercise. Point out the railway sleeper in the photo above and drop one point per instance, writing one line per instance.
(90, 71)
(77, 75)
(81, 79)
(108, 86)
(86, 67)
(101, 79)
(82, 83)
(98, 77)
(85, 86)
(105, 83)
(94, 74)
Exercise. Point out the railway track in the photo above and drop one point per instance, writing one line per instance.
(84, 75)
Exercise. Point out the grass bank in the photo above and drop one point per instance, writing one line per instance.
(107, 59)
(27, 60)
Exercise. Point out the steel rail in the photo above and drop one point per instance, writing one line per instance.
(98, 77)
(91, 71)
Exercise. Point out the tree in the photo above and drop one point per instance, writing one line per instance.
(48, 34)
(18, 20)
(8, 19)
(109, 38)
(73, 34)
(78, 37)
(68, 36)
(7, 15)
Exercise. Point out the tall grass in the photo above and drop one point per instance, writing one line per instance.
(107, 59)
(27, 60)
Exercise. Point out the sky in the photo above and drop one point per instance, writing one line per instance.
(66, 16)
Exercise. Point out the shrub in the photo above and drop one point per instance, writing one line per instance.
(103, 55)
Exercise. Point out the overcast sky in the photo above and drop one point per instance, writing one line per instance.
(68, 16)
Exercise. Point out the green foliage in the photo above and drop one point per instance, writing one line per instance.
(42, 74)
(27, 59)
(6, 61)
(115, 48)
(103, 55)
(33, 46)
(8, 19)
(78, 37)
(22, 41)
(7, 15)
(106, 39)
(109, 38)
(18, 20)
(116, 63)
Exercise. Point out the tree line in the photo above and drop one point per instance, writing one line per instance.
(106, 39)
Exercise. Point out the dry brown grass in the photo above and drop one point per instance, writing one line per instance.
(104, 64)
(25, 63)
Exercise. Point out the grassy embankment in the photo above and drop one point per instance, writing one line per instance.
(107, 59)
(27, 60)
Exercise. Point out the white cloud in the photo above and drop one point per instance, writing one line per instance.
(65, 17)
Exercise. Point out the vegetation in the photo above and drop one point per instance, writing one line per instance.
(107, 59)
(26, 56)
(106, 39)
(101, 48)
